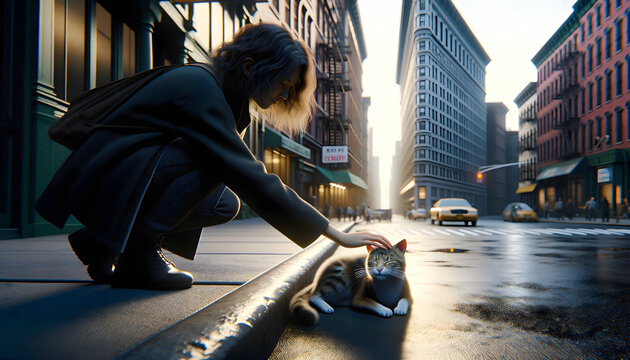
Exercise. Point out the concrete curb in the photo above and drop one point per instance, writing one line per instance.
(244, 324)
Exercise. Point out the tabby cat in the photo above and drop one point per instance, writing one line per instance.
(375, 283)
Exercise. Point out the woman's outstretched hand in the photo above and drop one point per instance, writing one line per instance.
(357, 239)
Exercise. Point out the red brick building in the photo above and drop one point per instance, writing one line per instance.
(583, 100)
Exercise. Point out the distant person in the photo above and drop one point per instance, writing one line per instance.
(605, 205)
(546, 209)
(569, 209)
(339, 213)
(623, 210)
(355, 213)
(591, 207)
(368, 214)
(559, 213)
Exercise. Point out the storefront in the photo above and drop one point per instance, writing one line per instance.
(338, 189)
(608, 176)
(563, 181)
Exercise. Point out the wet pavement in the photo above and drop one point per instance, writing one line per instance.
(495, 291)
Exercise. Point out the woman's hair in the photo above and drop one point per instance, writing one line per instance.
(276, 54)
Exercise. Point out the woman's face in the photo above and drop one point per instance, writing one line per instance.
(277, 92)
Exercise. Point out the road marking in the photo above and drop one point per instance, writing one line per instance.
(620, 230)
(429, 232)
(575, 231)
(471, 232)
(498, 232)
(415, 232)
(455, 232)
(482, 232)
(442, 232)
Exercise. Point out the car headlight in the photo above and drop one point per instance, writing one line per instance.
(472, 212)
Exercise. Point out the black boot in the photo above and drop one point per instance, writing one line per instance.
(100, 259)
(143, 266)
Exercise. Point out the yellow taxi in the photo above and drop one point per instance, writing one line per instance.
(453, 209)
(519, 211)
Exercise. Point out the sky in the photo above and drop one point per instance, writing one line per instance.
(510, 31)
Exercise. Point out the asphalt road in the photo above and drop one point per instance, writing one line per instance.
(495, 291)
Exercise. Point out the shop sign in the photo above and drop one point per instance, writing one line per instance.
(334, 154)
(604, 175)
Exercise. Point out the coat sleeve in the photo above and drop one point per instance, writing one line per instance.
(208, 124)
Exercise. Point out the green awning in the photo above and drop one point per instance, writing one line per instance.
(342, 177)
(560, 169)
(277, 140)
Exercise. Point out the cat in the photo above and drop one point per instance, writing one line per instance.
(375, 283)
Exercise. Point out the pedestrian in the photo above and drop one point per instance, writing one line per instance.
(623, 210)
(339, 213)
(546, 209)
(355, 213)
(171, 161)
(605, 210)
(591, 207)
(368, 215)
(569, 209)
(559, 210)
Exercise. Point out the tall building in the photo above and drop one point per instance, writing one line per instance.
(394, 187)
(497, 153)
(52, 50)
(374, 182)
(584, 105)
(441, 73)
(527, 135)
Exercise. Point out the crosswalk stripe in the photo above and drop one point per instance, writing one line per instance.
(575, 231)
(471, 232)
(455, 232)
(482, 232)
(497, 232)
(599, 231)
(441, 232)
(415, 232)
(429, 232)
(621, 231)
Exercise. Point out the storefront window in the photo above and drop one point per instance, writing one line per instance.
(278, 163)
(103, 45)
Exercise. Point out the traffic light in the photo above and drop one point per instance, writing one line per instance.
(479, 177)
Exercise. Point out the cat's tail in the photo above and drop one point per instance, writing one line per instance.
(301, 310)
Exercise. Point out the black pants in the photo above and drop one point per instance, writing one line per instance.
(183, 196)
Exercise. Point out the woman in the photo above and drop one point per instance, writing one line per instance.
(171, 155)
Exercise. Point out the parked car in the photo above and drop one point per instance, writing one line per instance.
(453, 209)
(418, 214)
(519, 211)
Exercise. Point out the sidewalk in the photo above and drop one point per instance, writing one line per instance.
(49, 308)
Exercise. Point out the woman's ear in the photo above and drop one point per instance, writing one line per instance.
(248, 63)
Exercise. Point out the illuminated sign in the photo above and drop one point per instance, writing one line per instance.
(334, 154)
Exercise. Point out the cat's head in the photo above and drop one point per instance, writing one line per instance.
(382, 263)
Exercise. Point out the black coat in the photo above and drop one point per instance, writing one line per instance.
(102, 183)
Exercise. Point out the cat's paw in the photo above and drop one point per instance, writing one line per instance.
(402, 308)
(321, 305)
(384, 311)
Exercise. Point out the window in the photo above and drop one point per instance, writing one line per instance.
(628, 121)
(590, 58)
(423, 59)
(598, 51)
(598, 91)
(422, 5)
(590, 96)
(618, 119)
(75, 48)
(598, 129)
(607, 8)
(589, 20)
(583, 64)
(618, 35)
(590, 134)
(608, 45)
(618, 77)
(423, 45)
(582, 32)
(608, 127)
(598, 16)
(608, 75)
(277, 163)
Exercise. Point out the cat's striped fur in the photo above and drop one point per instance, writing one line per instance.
(376, 283)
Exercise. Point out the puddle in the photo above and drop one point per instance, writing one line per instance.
(451, 250)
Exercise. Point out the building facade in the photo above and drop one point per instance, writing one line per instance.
(527, 137)
(583, 100)
(441, 73)
(52, 50)
(497, 152)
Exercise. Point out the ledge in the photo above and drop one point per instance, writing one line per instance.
(244, 324)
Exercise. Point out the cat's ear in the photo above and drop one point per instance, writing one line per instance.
(369, 248)
(402, 245)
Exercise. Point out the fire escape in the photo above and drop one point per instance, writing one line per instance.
(334, 117)
(569, 121)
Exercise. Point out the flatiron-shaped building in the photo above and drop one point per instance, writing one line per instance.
(441, 73)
